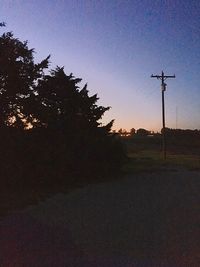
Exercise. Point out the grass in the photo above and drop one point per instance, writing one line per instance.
(145, 154)
(148, 160)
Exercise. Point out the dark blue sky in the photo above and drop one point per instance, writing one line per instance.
(115, 46)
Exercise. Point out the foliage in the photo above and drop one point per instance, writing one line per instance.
(50, 128)
(2, 24)
(142, 132)
(58, 103)
(132, 131)
(18, 75)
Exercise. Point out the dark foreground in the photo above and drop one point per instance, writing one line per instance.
(148, 219)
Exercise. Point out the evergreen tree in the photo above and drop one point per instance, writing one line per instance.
(65, 133)
(72, 120)
(18, 75)
(59, 103)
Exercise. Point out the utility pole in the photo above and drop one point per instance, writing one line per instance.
(163, 77)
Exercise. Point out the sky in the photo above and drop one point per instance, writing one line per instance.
(115, 46)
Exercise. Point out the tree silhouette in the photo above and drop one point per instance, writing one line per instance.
(65, 136)
(2, 24)
(73, 117)
(57, 102)
(18, 75)
(142, 132)
(132, 131)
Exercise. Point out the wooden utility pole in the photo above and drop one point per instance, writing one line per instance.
(163, 77)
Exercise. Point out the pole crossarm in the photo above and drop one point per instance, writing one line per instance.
(163, 77)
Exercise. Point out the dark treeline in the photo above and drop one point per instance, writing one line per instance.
(182, 132)
(50, 130)
(178, 141)
(169, 131)
(183, 141)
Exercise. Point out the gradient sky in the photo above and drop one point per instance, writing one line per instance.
(115, 46)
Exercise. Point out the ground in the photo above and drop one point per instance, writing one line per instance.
(147, 218)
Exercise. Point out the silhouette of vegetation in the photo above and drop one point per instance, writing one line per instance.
(51, 134)
(2, 24)
(18, 76)
(142, 132)
(183, 141)
(132, 131)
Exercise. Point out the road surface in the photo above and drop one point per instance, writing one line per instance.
(148, 219)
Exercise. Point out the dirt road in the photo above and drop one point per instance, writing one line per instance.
(149, 219)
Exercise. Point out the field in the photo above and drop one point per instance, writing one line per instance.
(145, 154)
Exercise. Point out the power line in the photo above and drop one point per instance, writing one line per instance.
(163, 77)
